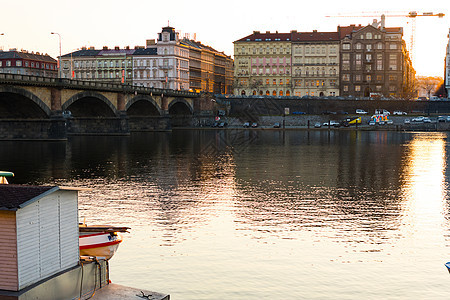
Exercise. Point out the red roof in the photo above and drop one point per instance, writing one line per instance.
(314, 36)
(348, 30)
(267, 36)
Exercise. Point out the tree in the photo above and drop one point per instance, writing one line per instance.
(428, 85)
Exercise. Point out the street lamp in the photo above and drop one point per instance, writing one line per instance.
(59, 60)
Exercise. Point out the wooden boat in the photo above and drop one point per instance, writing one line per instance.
(100, 241)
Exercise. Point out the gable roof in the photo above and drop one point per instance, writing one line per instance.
(13, 197)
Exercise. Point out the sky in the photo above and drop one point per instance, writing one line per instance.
(27, 24)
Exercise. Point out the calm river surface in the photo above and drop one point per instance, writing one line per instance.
(262, 214)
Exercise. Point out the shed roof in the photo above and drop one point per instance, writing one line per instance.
(14, 197)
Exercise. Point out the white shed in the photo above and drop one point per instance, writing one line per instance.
(39, 233)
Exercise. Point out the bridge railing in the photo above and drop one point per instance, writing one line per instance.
(84, 84)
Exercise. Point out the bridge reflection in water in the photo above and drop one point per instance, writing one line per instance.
(293, 215)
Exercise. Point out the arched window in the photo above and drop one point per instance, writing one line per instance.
(267, 93)
(288, 93)
(274, 93)
(254, 93)
(243, 93)
(281, 93)
(260, 93)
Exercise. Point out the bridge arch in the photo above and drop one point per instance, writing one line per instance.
(179, 106)
(41, 108)
(103, 104)
(144, 104)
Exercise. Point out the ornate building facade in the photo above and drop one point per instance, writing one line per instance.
(356, 61)
(168, 62)
(374, 62)
(315, 65)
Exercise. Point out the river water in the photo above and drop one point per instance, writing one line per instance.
(262, 214)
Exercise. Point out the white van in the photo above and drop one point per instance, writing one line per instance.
(382, 112)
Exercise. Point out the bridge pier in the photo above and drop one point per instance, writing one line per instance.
(33, 129)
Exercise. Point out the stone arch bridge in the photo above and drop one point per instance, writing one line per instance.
(52, 108)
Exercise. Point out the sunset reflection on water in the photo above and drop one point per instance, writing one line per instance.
(295, 215)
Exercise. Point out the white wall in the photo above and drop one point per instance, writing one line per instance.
(47, 236)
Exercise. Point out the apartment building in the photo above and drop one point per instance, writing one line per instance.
(209, 69)
(374, 62)
(315, 63)
(167, 62)
(356, 61)
(28, 63)
(262, 64)
(447, 68)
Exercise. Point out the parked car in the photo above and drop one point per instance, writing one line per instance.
(400, 113)
(327, 112)
(246, 125)
(406, 121)
(254, 125)
(276, 125)
(371, 123)
(417, 119)
(298, 113)
(448, 119)
(332, 123)
(361, 111)
(317, 125)
(390, 122)
(426, 120)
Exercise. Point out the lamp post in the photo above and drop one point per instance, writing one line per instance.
(59, 60)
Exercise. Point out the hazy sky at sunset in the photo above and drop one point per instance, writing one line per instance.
(27, 24)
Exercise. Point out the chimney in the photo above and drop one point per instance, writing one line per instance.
(267, 32)
(116, 48)
(105, 47)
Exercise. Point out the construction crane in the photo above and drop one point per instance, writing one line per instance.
(412, 15)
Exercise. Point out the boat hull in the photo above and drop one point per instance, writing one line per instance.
(99, 244)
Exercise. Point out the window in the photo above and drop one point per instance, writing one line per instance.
(379, 65)
(379, 46)
(346, 77)
(369, 47)
(358, 46)
(8, 63)
(345, 88)
(368, 78)
(274, 82)
(345, 46)
(357, 88)
(369, 36)
(19, 63)
(392, 46)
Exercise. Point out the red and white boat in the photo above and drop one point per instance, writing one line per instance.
(100, 241)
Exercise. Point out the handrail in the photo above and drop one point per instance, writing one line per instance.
(75, 83)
